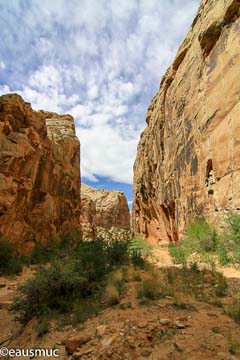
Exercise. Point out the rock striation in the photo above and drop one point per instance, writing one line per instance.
(39, 173)
(102, 209)
(188, 157)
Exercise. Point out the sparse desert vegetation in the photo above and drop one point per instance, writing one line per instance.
(203, 244)
(76, 284)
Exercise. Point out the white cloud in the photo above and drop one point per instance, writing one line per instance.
(106, 152)
(4, 89)
(44, 78)
(99, 60)
(2, 65)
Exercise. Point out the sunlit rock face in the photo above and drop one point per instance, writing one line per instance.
(102, 208)
(39, 174)
(188, 157)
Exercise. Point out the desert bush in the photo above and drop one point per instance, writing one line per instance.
(222, 251)
(234, 347)
(202, 236)
(54, 248)
(233, 310)
(150, 289)
(92, 259)
(111, 295)
(42, 327)
(73, 276)
(117, 252)
(179, 253)
(230, 240)
(139, 250)
(9, 263)
(201, 243)
(53, 288)
(43, 254)
(222, 286)
(233, 221)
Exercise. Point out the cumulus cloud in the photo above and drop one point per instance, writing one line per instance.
(101, 61)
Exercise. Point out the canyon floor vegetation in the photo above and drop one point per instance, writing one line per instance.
(80, 286)
(204, 244)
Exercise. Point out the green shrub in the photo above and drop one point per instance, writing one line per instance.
(118, 252)
(42, 254)
(216, 330)
(9, 263)
(234, 347)
(54, 248)
(231, 237)
(222, 286)
(222, 252)
(111, 295)
(43, 327)
(139, 250)
(179, 253)
(53, 288)
(194, 267)
(91, 258)
(73, 276)
(139, 244)
(150, 289)
(233, 310)
(69, 238)
(233, 222)
(202, 236)
(83, 310)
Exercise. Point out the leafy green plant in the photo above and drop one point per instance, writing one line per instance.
(222, 252)
(76, 274)
(194, 267)
(52, 288)
(9, 263)
(111, 295)
(216, 330)
(150, 289)
(201, 239)
(55, 248)
(43, 327)
(231, 237)
(202, 236)
(139, 250)
(234, 347)
(179, 253)
(222, 286)
(233, 310)
(233, 222)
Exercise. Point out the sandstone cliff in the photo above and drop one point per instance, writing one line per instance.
(188, 158)
(39, 173)
(102, 208)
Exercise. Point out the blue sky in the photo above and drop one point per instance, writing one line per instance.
(99, 60)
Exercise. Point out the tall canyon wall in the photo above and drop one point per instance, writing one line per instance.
(188, 158)
(39, 174)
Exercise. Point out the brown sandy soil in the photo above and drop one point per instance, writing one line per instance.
(158, 330)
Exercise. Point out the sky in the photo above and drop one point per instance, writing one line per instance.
(99, 60)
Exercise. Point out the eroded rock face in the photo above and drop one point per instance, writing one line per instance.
(188, 158)
(88, 217)
(39, 173)
(102, 208)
